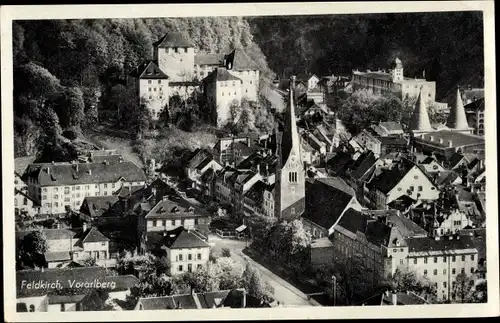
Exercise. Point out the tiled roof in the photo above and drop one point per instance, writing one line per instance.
(21, 163)
(427, 244)
(173, 39)
(208, 59)
(340, 162)
(338, 183)
(173, 207)
(97, 205)
(256, 192)
(245, 149)
(238, 60)
(324, 203)
(93, 235)
(65, 276)
(60, 299)
(57, 256)
(392, 141)
(458, 139)
(148, 70)
(179, 239)
(67, 174)
(392, 126)
(475, 105)
(220, 74)
(389, 178)
(446, 178)
(124, 282)
(402, 298)
(354, 221)
(112, 159)
(364, 162)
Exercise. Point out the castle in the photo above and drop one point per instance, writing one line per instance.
(176, 69)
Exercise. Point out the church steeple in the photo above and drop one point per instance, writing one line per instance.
(457, 120)
(290, 172)
(420, 119)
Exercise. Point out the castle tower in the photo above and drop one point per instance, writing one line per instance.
(290, 173)
(420, 119)
(397, 70)
(457, 120)
(174, 55)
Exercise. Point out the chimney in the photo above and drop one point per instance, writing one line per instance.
(394, 298)
(76, 167)
(244, 299)
(441, 140)
(386, 293)
(450, 143)
(84, 226)
(431, 138)
(258, 168)
(192, 290)
(292, 82)
(48, 170)
(42, 269)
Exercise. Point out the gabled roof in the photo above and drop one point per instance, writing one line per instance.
(389, 178)
(85, 173)
(238, 60)
(173, 39)
(93, 235)
(21, 163)
(402, 298)
(148, 70)
(97, 205)
(220, 74)
(16, 191)
(208, 59)
(427, 244)
(174, 207)
(361, 165)
(180, 238)
(340, 162)
(256, 192)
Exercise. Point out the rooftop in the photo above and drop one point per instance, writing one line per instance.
(427, 244)
(85, 173)
(180, 238)
(220, 74)
(97, 205)
(208, 59)
(458, 139)
(238, 60)
(173, 39)
(174, 207)
(148, 70)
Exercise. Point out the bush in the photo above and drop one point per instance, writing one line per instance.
(226, 252)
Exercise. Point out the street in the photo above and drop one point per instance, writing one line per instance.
(284, 293)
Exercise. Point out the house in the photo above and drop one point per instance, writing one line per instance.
(24, 204)
(236, 298)
(447, 178)
(171, 212)
(475, 116)
(386, 243)
(68, 289)
(66, 245)
(200, 170)
(224, 148)
(184, 250)
(326, 200)
(59, 186)
(96, 206)
(403, 178)
(242, 183)
(446, 143)
(456, 161)
(253, 203)
(310, 80)
(318, 145)
(394, 298)
(388, 129)
(381, 146)
(431, 165)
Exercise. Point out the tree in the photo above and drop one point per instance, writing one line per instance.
(151, 285)
(226, 252)
(462, 287)
(253, 284)
(70, 107)
(33, 247)
(435, 115)
(405, 279)
(89, 262)
(480, 293)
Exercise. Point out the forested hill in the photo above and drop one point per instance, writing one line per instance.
(448, 46)
(61, 66)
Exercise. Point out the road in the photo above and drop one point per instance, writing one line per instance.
(284, 292)
(275, 97)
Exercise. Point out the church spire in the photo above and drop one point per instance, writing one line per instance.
(290, 137)
(420, 118)
(457, 120)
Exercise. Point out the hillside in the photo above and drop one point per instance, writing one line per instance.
(448, 46)
(62, 68)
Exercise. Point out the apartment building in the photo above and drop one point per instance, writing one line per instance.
(58, 187)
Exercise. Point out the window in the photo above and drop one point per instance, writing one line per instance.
(149, 89)
(199, 266)
(113, 185)
(415, 177)
(435, 272)
(77, 194)
(222, 93)
(472, 270)
(234, 92)
(149, 81)
(154, 223)
(292, 189)
(105, 185)
(425, 272)
(198, 256)
(164, 223)
(190, 257)
(444, 284)
(96, 186)
(292, 210)
(56, 204)
(45, 189)
(32, 308)
(159, 81)
(412, 188)
(444, 271)
(250, 82)
(172, 223)
(179, 268)
(420, 188)
(453, 271)
(463, 258)
(62, 308)
(472, 257)
(401, 261)
(25, 201)
(453, 259)
(435, 260)
(415, 261)
(180, 257)
(425, 260)
(462, 270)
(67, 199)
(190, 267)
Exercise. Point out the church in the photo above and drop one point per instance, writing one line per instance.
(290, 171)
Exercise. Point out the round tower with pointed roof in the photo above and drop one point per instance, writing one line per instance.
(457, 120)
(420, 123)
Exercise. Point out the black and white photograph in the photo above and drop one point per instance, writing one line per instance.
(200, 160)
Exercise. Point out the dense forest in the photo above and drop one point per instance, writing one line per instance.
(63, 68)
(448, 46)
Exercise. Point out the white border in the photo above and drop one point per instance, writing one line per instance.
(9, 13)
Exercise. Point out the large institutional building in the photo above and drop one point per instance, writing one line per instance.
(394, 82)
(177, 70)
